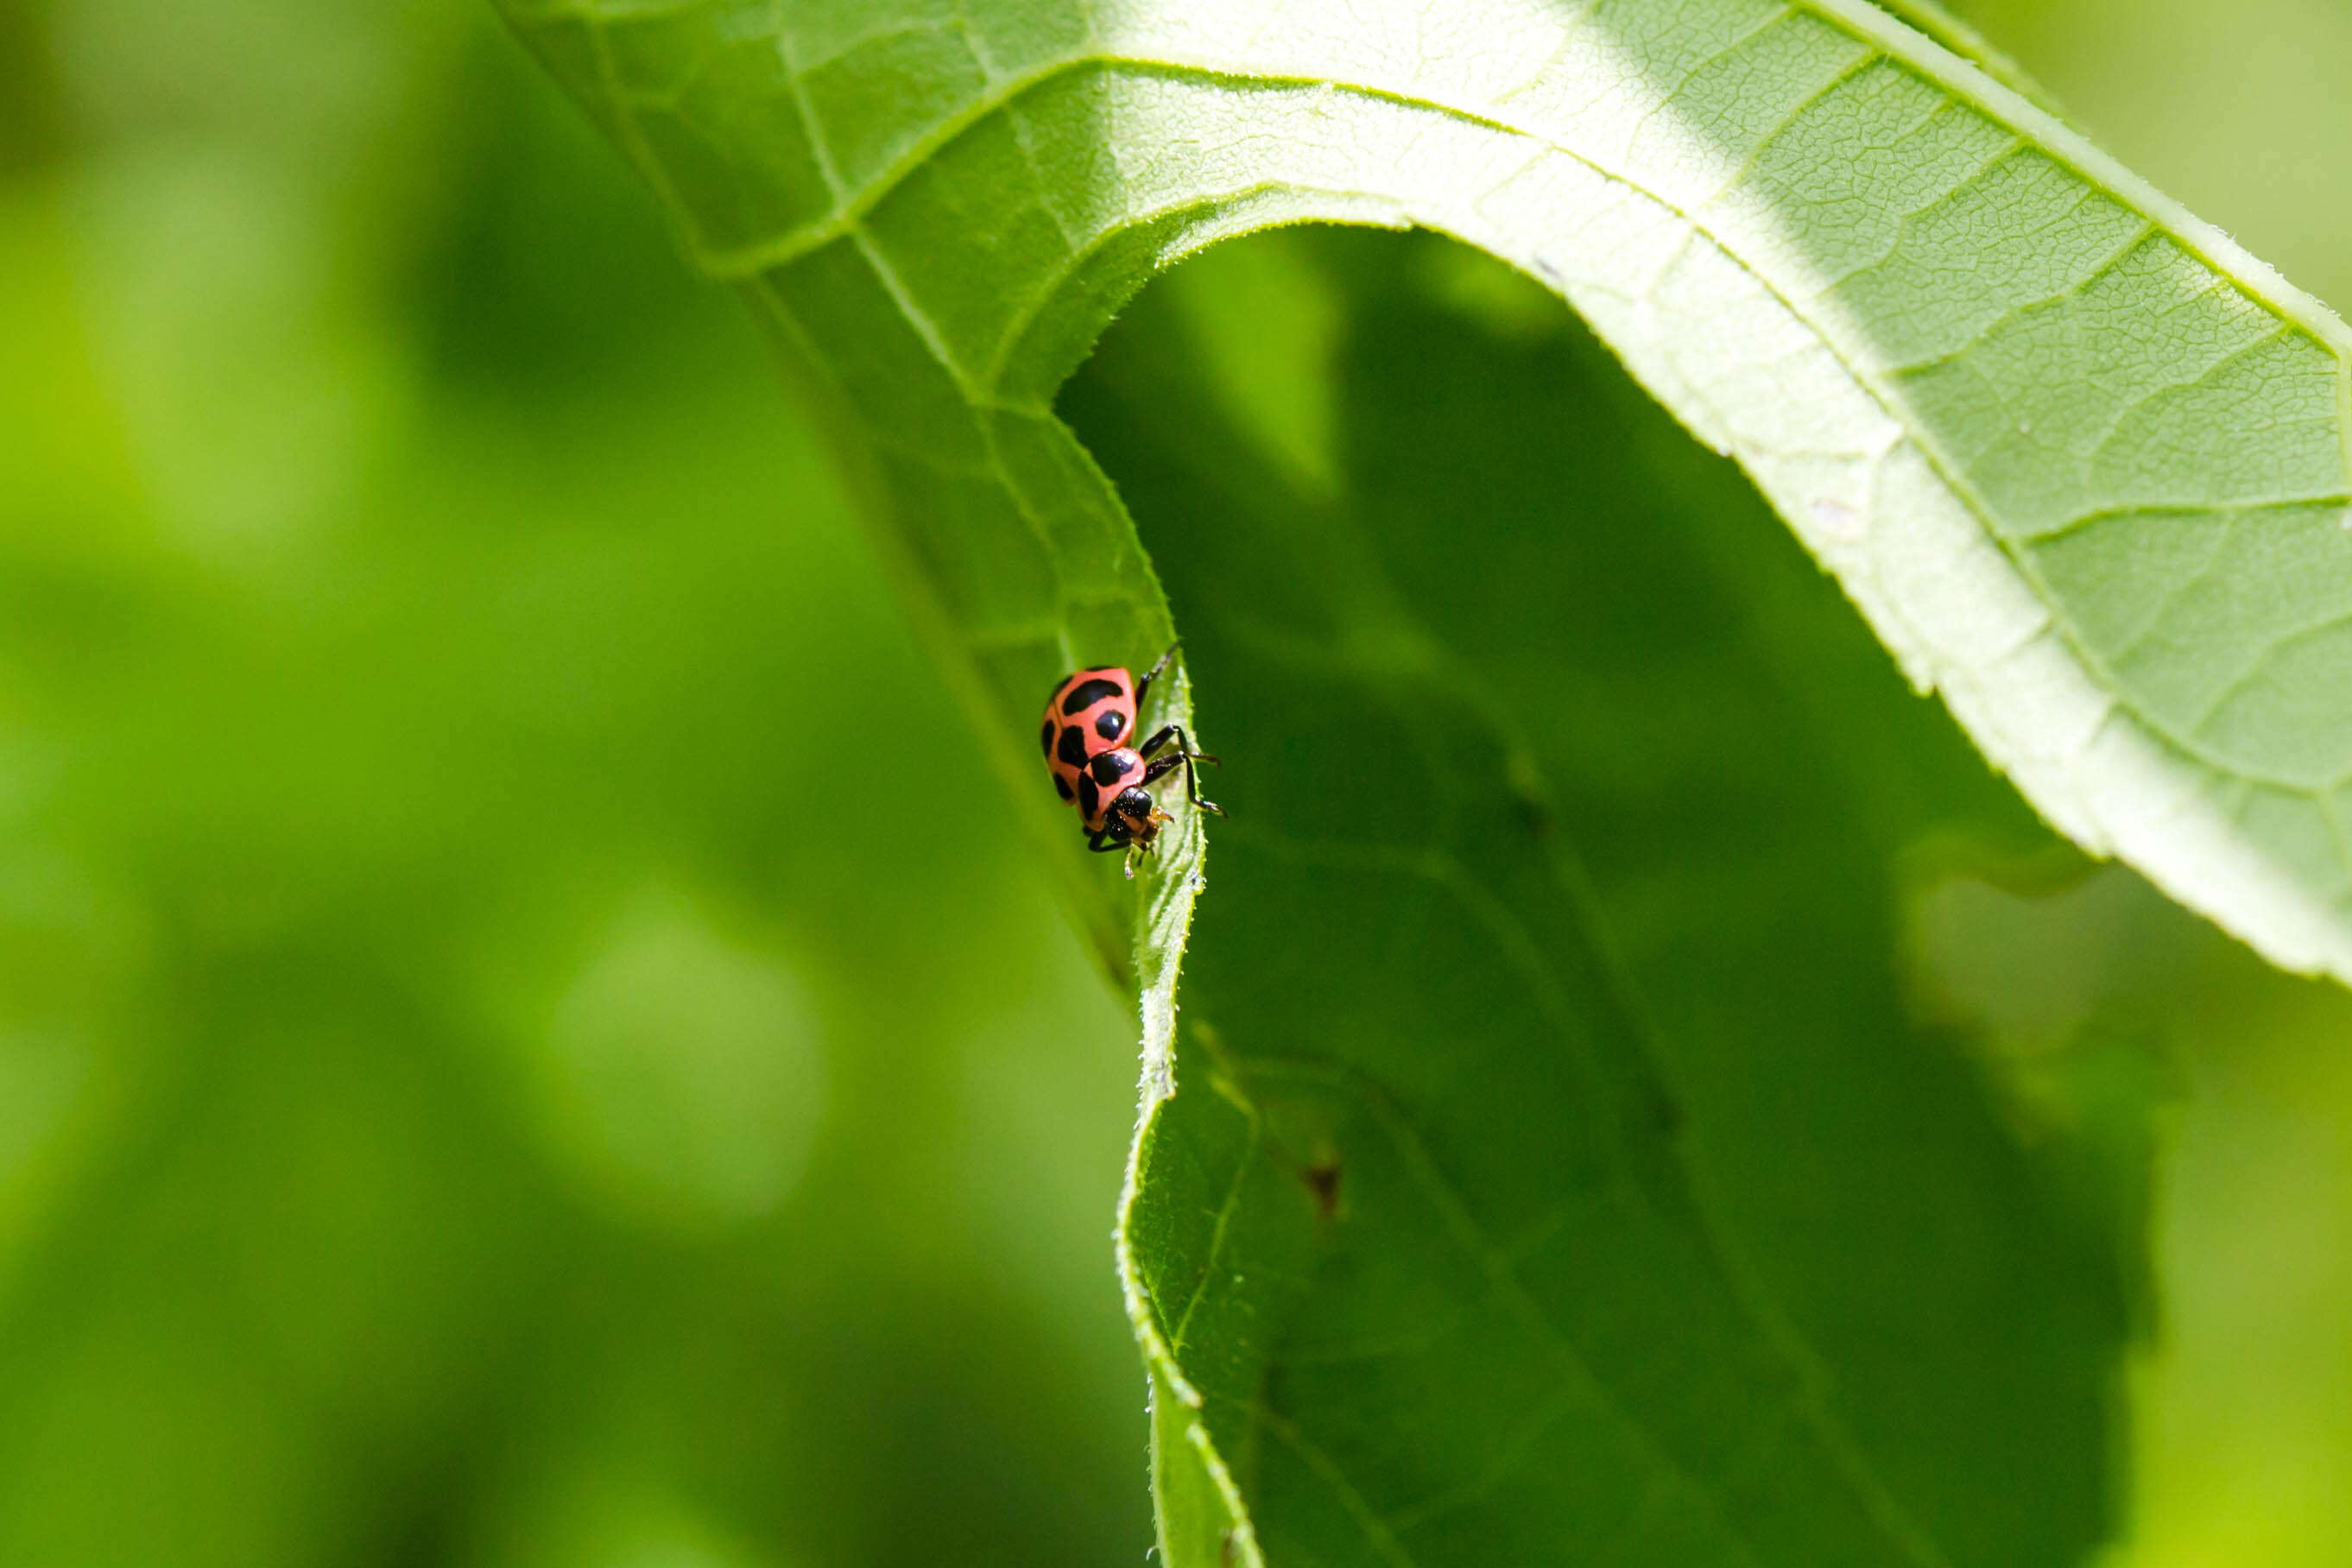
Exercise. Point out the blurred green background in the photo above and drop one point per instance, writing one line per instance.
(488, 1075)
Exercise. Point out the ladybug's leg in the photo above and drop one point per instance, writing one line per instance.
(1184, 759)
(1183, 753)
(1103, 841)
(1167, 733)
(1144, 685)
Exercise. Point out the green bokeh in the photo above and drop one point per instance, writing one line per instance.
(524, 1036)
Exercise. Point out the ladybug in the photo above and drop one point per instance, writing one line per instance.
(1090, 725)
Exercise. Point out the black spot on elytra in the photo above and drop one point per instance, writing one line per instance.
(1045, 738)
(1090, 797)
(1110, 724)
(1087, 693)
(1073, 749)
(1063, 785)
(1112, 766)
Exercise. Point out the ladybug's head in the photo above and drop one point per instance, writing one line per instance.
(1133, 817)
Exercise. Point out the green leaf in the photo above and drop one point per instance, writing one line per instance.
(1556, 1166)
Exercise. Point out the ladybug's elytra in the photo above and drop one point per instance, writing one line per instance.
(1089, 721)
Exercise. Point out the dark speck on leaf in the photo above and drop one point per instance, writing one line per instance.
(1322, 1179)
(1666, 1111)
(1536, 816)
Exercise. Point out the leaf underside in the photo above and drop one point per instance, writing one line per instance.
(1511, 1208)
(1559, 1175)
